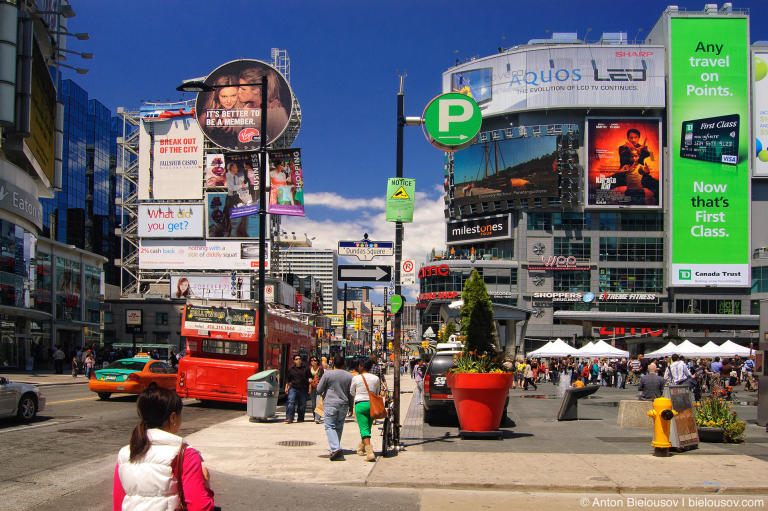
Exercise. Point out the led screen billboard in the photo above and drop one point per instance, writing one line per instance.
(230, 115)
(708, 140)
(199, 255)
(623, 162)
(563, 77)
(286, 182)
(760, 113)
(229, 217)
(220, 287)
(514, 168)
(167, 220)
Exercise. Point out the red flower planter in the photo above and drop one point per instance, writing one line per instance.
(479, 399)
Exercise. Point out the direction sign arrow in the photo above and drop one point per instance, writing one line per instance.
(364, 273)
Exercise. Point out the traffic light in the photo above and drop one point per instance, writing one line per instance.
(359, 324)
(319, 333)
(389, 346)
(424, 344)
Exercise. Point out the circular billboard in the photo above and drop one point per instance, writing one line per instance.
(230, 115)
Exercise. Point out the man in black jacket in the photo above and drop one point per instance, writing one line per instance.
(297, 380)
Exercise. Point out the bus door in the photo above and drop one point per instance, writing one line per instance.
(285, 359)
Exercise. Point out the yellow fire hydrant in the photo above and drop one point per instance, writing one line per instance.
(662, 413)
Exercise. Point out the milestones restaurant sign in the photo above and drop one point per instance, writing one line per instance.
(479, 229)
(709, 119)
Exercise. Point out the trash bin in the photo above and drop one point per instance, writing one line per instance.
(262, 395)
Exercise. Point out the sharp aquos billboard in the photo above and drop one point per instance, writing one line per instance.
(479, 229)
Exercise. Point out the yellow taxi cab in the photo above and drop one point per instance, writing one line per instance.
(132, 376)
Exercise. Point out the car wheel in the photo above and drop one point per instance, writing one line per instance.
(104, 395)
(27, 408)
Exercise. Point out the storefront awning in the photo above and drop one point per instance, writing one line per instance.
(25, 313)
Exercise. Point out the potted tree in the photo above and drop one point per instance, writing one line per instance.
(478, 381)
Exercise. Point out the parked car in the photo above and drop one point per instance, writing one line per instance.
(437, 399)
(21, 400)
(132, 376)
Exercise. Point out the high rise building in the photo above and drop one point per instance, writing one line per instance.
(318, 263)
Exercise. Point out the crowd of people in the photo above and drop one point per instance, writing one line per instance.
(704, 375)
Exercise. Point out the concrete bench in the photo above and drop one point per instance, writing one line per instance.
(634, 414)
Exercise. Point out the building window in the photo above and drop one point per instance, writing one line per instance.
(580, 249)
(225, 347)
(161, 318)
(162, 337)
(694, 306)
(760, 279)
(43, 282)
(630, 307)
(67, 289)
(631, 280)
(632, 249)
(539, 221)
(754, 306)
(571, 281)
(108, 318)
(571, 221)
(631, 222)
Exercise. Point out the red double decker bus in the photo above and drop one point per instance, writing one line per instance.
(223, 350)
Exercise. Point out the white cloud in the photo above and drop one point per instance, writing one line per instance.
(425, 233)
(336, 201)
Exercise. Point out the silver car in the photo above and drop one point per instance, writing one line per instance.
(20, 400)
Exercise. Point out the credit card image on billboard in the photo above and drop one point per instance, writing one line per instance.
(475, 83)
(712, 139)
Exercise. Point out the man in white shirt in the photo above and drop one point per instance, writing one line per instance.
(677, 373)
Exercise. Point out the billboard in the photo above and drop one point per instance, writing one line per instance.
(42, 115)
(563, 77)
(215, 173)
(171, 220)
(199, 255)
(170, 158)
(708, 139)
(497, 227)
(230, 115)
(220, 287)
(228, 217)
(238, 324)
(286, 182)
(760, 113)
(623, 162)
(513, 168)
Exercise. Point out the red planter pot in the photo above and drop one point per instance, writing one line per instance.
(479, 399)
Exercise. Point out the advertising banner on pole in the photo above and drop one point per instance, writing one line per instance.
(623, 162)
(215, 173)
(286, 182)
(170, 159)
(760, 113)
(569, 77)
(228, 218)
(401, 198)
(709, 142)
(230, 114)
(171, 220)
(220, 287)
(199, 255)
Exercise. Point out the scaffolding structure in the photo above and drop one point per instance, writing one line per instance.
(135, 281)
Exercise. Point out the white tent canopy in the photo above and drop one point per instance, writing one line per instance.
(664, 351)
(601, 349)
(731, 349)
(688, 349)
(710, 350)
(556, 348)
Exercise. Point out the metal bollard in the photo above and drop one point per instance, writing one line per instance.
(662, 413)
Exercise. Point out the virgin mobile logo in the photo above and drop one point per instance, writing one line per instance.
(248, 135)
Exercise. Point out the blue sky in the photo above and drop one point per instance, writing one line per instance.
(345, 59)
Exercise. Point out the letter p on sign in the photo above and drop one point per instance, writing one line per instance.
(452, 121)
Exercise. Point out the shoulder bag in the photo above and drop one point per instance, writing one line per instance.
(179, 470)
(378, 411)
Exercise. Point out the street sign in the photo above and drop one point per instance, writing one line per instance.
(452, 121)
(408, 272)
(366, 250)
(401, 194)
(396, 301)
(364, 273)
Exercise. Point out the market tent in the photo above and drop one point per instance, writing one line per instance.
(603, 349)
(585, 351)
(556, 348)
(688, 349)
(664, 351)
(710, 350)
(731, 349)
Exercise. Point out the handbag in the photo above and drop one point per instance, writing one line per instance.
(378, 411)
(179, 469)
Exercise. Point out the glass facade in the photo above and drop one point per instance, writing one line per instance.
(44, 283)
(92, 292)
(695, 306)
(760, 279)
(578, 248)
(632, 221)
(17, 249)
(67, 289)
(632, 249)
(571, 281)
(631, 280)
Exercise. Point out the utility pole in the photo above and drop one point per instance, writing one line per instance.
(398, 257)
(344, 323)
(263, 225)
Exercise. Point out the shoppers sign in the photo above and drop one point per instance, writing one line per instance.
(760, 113)
(199, 255)
(230, 115)
(600, 297)
(171, 220)
(623, 162)
(479, 229)
(219, 287)
(21, 203)
(568, 77)
(170, 159)
(709, 141)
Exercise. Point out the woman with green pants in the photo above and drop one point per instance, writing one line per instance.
(363, 405)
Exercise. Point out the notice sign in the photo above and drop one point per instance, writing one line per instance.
(401, 193)
(218, 319)
(708, 138)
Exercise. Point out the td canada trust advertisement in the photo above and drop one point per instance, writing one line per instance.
(709, 112)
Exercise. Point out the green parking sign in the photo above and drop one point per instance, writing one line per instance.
(452, 121)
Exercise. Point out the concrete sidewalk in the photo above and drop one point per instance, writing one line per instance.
(242, 448)
(45, 378)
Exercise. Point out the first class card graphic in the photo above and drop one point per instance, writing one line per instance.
(714, 139)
